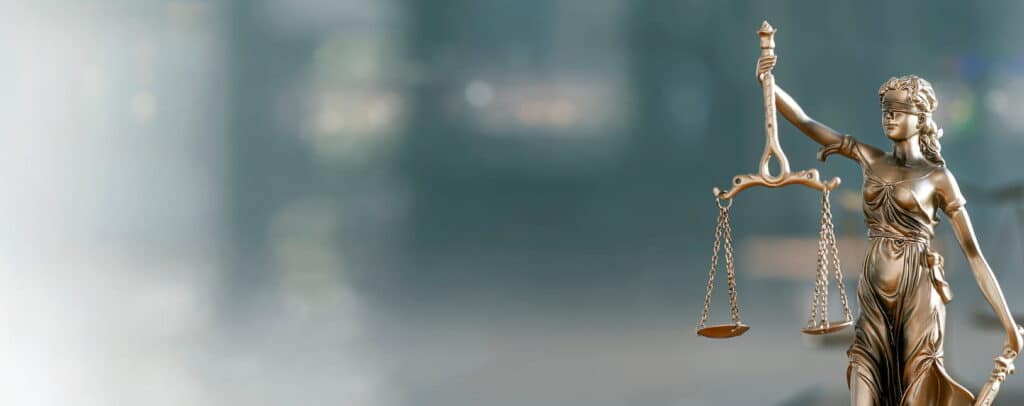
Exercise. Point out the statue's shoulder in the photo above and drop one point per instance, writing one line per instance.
(868, 153)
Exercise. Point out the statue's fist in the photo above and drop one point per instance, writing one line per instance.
(765, 64)
(1014, 341)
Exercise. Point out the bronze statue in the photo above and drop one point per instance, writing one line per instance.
(897, 354)
(896, 357)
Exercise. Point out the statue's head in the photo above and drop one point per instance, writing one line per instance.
(907, 106)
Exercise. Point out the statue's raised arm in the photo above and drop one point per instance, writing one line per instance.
(831, 140)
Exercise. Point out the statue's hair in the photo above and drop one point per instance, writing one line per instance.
(922, 96)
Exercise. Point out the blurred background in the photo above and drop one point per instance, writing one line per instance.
(461, 202)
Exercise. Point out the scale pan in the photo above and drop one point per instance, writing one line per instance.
(831, 327)
(724, 330)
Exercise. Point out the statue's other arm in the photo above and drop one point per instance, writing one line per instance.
(951, 201)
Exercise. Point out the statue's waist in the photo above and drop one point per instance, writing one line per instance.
(894, 236)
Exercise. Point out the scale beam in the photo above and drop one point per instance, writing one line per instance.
(807, 178)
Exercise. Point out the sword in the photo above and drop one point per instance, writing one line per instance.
(1004, 367)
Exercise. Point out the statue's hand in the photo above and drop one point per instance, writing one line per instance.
(764, 65)
(1014, 341)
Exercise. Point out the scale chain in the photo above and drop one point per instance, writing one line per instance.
(730, 267)
(817, 291)
(823, 270)
(834, 249)
(820, 298)
(722, 212)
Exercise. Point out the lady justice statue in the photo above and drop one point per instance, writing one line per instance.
(896, 357)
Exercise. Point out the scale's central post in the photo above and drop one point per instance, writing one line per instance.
(771, 132)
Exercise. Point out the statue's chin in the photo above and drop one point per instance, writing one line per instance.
(894, 137)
